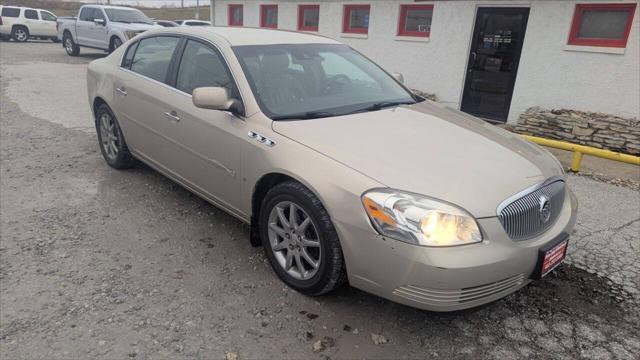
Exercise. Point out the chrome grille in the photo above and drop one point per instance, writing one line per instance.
(523, 218)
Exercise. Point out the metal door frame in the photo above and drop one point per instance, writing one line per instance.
(478, 7)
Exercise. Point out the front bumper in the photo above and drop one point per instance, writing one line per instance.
(452, 278)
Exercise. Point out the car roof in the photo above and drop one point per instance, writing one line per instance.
(237, 36)
(24, 7)
(110, 7)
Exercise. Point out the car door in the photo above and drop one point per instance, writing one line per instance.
(48, 21)
(204, 146)
(84, 25)
(140, 95)
(32, 21)
(99, 32)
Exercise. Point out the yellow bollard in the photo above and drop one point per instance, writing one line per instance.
(580, 150)
(576, 161)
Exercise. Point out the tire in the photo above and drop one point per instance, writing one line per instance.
(69, 45)
(111, 140)
(330, 272)
(114, 44)
(20, 33)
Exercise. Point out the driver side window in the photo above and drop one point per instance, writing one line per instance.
(202, 66)
(47, 16)
(86, 14)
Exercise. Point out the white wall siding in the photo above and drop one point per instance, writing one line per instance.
(553, 77)
(549, 75)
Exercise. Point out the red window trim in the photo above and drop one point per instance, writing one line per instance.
(404, 8)
(346, 15)
(263, 16)
(617, 43)
(230, 9)
(301, 9)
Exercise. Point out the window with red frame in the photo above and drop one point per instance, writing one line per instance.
(269, 16)
(308, 17)
(235, 15)
(605, 25)
(415, 20)
(356, 19)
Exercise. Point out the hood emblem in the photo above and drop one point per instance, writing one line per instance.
(544, 209)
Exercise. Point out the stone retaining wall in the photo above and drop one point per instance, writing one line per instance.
(586, 128)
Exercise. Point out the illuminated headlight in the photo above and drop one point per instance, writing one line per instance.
(419, 220)
(131, 34)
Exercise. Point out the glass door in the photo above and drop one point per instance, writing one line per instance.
(493, 61)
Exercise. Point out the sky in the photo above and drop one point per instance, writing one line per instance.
(150, 3)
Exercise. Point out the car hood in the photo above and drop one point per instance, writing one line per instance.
(432, 150)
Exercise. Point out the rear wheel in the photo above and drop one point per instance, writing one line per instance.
(300, 241)
(112, 145)
(70, 46)
(20, 33)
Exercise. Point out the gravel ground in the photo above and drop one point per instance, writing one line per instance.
(96, 263)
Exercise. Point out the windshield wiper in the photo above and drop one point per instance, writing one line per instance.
(381, 105)
(305, 116)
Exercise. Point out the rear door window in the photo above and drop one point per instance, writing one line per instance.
(128, 57)
(10, 12)
(153, 57)
(31, 14)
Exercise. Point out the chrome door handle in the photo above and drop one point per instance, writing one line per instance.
(121, 91)
(172, 116)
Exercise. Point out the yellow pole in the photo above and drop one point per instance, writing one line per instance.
(581, 150)
(575, 162)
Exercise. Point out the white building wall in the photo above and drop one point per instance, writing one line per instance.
(549, 75)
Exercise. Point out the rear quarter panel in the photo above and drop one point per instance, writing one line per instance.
(101, 76)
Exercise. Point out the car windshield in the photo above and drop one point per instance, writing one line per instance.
(305, 81)
(128, 16)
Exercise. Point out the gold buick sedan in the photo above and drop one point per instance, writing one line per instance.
(343, 174)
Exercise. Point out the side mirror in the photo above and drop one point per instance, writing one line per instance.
(99, 21)
(214, 98)
(399, 78)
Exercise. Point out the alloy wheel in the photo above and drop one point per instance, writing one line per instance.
(109, 136)
(294, 239)
(68, 45)
(21, 35)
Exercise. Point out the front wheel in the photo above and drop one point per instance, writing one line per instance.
(300, 241)
(70, 46)
(112, 145)
(115, 43)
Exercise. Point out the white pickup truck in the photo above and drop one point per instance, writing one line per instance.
(101, 27)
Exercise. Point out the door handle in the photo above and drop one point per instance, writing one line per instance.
(172, 116)
(122, 91)
(472, 61)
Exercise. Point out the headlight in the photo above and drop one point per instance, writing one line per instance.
(419, 220)
(131, 34)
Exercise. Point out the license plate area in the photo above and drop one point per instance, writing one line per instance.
(550, 256)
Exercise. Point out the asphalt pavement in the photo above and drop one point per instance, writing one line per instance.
(98, 263)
